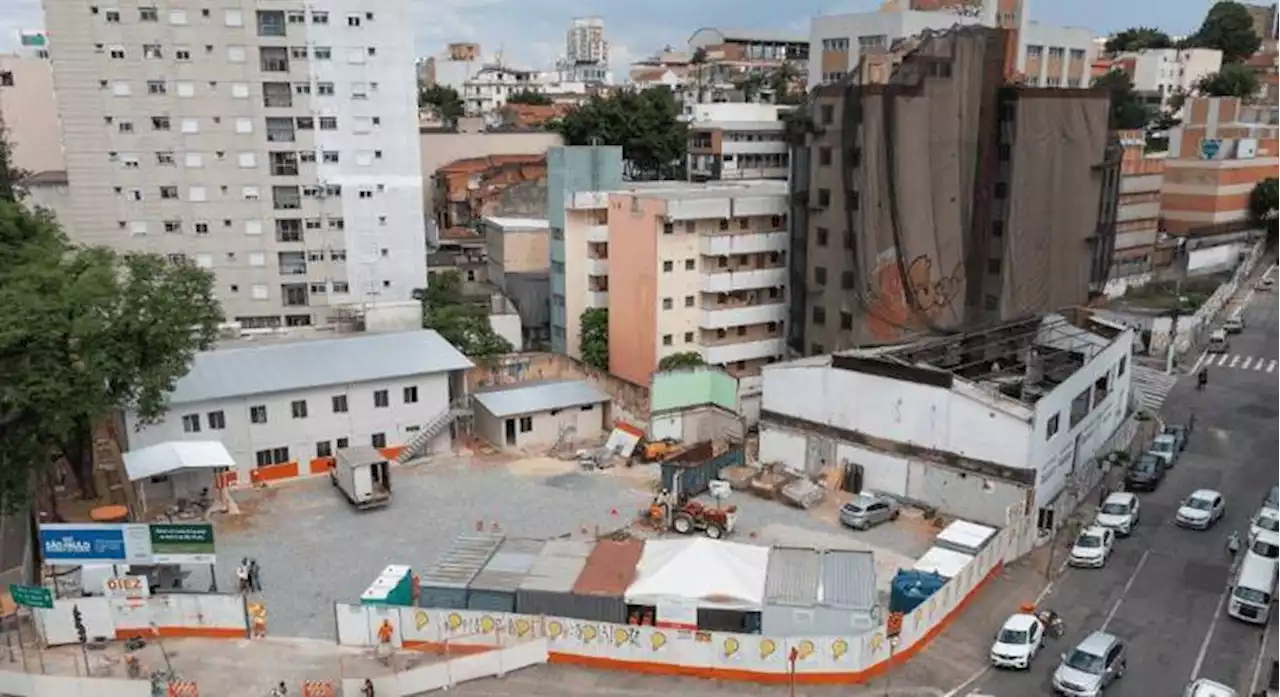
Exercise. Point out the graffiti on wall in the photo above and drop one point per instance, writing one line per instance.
(889, 312)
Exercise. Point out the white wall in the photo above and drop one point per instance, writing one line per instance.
(243, 439)
(507, 326)
(587, 423)
(31, 685)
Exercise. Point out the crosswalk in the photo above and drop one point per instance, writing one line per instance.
(1151, 387)
(1235, 361)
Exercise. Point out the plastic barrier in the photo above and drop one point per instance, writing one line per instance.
(436, 676)
(168, 615)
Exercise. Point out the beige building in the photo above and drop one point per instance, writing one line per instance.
(29, 113)
(515, 246)
(541, 415)
(263, 141)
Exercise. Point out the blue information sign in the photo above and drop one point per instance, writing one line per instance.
(82, 544)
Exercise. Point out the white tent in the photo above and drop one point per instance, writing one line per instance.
(176, 469)
(678, 577)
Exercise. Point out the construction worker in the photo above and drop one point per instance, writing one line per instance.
(384, 647)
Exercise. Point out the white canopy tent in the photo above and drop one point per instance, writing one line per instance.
(176, 469)
(679, 577)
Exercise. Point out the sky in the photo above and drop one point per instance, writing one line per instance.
(530, 33)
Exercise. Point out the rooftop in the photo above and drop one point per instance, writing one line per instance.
(688, 191)
(480, 164)
(530, 399)
(298, 365)
(518, 224)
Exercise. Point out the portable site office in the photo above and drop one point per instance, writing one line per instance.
(547, 588)
(812, 592)
(494, 588)
(444, 584)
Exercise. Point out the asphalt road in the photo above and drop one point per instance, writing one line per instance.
(1163, 589)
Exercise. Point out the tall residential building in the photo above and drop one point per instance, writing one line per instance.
(29, 112)
(262, 140)
(946, 199)
(585, 43)
(735, 140)
(485, 92)
(1137, 211)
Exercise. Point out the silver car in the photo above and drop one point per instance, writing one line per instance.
(867, 510)
(1091, 666)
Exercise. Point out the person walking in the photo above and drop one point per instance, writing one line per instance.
(255, 576)
(242, 576)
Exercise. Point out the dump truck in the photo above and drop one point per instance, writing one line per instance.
(364, 475)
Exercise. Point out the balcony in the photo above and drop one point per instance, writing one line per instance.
(746, 351)
(726, 244)
(597, 267)
(597, 299)
(598, 233)
(744, 280)
(723, 318)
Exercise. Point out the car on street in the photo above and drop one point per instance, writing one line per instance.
(1201, 509)
(1119, 512)
(1205, 687)
(1145, 474)
(1180, 434)
(1272, 498)
(1266, 519)
(1265, 546)
(1091, 666)
(1218, 342)
(1092, 548)
(867, 510)
(1165, 446)
(1234, 324)
(1018, 641)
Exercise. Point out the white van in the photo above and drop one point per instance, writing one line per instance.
(1254, 590)
(1218, 341)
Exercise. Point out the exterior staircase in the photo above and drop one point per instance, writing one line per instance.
(1151, 387)
(434, 428)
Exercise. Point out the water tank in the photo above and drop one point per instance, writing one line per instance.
(910, 587)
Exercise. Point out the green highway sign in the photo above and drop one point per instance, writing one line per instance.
(31, 596)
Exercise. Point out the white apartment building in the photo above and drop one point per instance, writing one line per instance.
(733, 141)
(585, 42)
(487, 90)
(262, 140)
(276, 403)
(28, 111)
(1162, 73)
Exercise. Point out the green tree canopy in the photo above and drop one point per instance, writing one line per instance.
(460, 320)
(529, 97)
(1138, 39)
(1228, 27)
(445, 100)
(1233, 80)
(645, 123)
(684, 359)
(1263, 203)
(593, 337)
(1127, 109)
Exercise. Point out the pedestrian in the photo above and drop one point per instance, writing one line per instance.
(242, 576)
(1103, 492)
(255, 576)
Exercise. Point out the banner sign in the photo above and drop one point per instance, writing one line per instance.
(127, 543)
(31, 596)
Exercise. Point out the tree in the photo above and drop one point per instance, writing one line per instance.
(1138, 39)
(593, 337)
(1228, 27)
(684, 359)
(646, 123)
(11, 177)
(529, 97)
(783, 82)
(1127, 109)
(1263, 202)
(87, 331)
(1233, 80)
(461, 322)
(445, 100)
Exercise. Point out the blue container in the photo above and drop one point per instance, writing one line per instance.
(695, 477)
(911, 587)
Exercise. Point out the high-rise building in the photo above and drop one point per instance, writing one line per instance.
(264, 141)
(585, 42)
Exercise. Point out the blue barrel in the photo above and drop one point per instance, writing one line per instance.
(910, 587)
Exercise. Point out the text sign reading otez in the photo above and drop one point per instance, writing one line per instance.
(31, 596)
(130, 587)
(182, 543)
(127, 543)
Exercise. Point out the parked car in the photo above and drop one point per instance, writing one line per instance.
(1145, 474)
(1119, 512)
(867, 510)
(1265, 520)
(1201, 509)
(1018, 642)
(1092, 548)
(1266, 546)
(1205, 687)
(1272, 498)
(1165, 446)
(1180, 433)
(1091, 666)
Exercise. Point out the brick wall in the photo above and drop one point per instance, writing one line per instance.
(630, 401)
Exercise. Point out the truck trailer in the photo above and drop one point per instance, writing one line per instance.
(364, 475)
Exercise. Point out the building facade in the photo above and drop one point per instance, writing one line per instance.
(1159, 74)
(487, 90)
(541, 415)
(262, 141)
(515, 246)
(29, 113)
(729, 141)
(1137, 213)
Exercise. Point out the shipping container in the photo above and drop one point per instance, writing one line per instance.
(695, 475)
(849, 584)
(547, 588)
(815, 593)
(494, 588)
(444, 584)
(609, 571)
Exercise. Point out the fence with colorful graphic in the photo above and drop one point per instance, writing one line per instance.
(446, 674)
(817, 659)
(173, 614)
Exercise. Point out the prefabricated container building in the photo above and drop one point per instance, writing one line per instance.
(494, 588)
(811, 592)
(547, 588)
(610, 569)
(695, 474)
(444, 584)
(947, 563)
(965, 537)
(849, 584)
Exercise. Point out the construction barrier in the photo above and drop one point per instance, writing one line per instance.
(209, 615)
(183, 688)
(446, 674)
(317, 688)
(14, 684)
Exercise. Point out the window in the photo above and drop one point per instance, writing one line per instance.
(116, 53)
(1100, 388)
(667, 303)
(339, 404)
(1051, 426)
(323, 449)
(112, 16)
(380, 399)
(156, 87)
(1121, 366)
(688, 301)
(379, 440)
(177, 17)
(824, 197)
(526, 424)
(324, 89)
(234, 18)
(258, 414)
(846, 280)
(322, 53)
(319, 17)
(846, 320)
(667, 266)
(823, 235)
(165, 157)
(168, 192)
(148, 14)
(827, 114)
(411, 394)
(666, 340)
(688, 337)
(191, 423)
(824, 156)
(820, 275)
(217, 420)
(299, 408)
(328, 123)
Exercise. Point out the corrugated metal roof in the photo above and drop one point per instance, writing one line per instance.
(610, 568)
(458, 566)
(557, 568)
(531, 399)
(509, 565)
(286, 366)
(794, 576)
(848, 580)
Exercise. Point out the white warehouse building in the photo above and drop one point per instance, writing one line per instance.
(294, 401)
(975, 425)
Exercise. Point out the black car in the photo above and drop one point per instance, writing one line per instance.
(1145, 474)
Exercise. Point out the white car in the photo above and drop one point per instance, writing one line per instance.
(1201, 509)
(1266, 519)
(1018, 642)
(1092, 547)
(1119, 512)
(1205, 687)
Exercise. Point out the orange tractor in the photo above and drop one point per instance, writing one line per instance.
(667, 513)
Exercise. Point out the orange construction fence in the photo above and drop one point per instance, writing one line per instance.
(317, 688)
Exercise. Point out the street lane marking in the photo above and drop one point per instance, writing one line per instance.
(1224, 359)
(1245, 365)
(1208, 637)
(1234, 360)
(1196, 368)
(965, 685)
(1129, 584)
(1257, 662)
(1261, 362)
(1272, 367)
